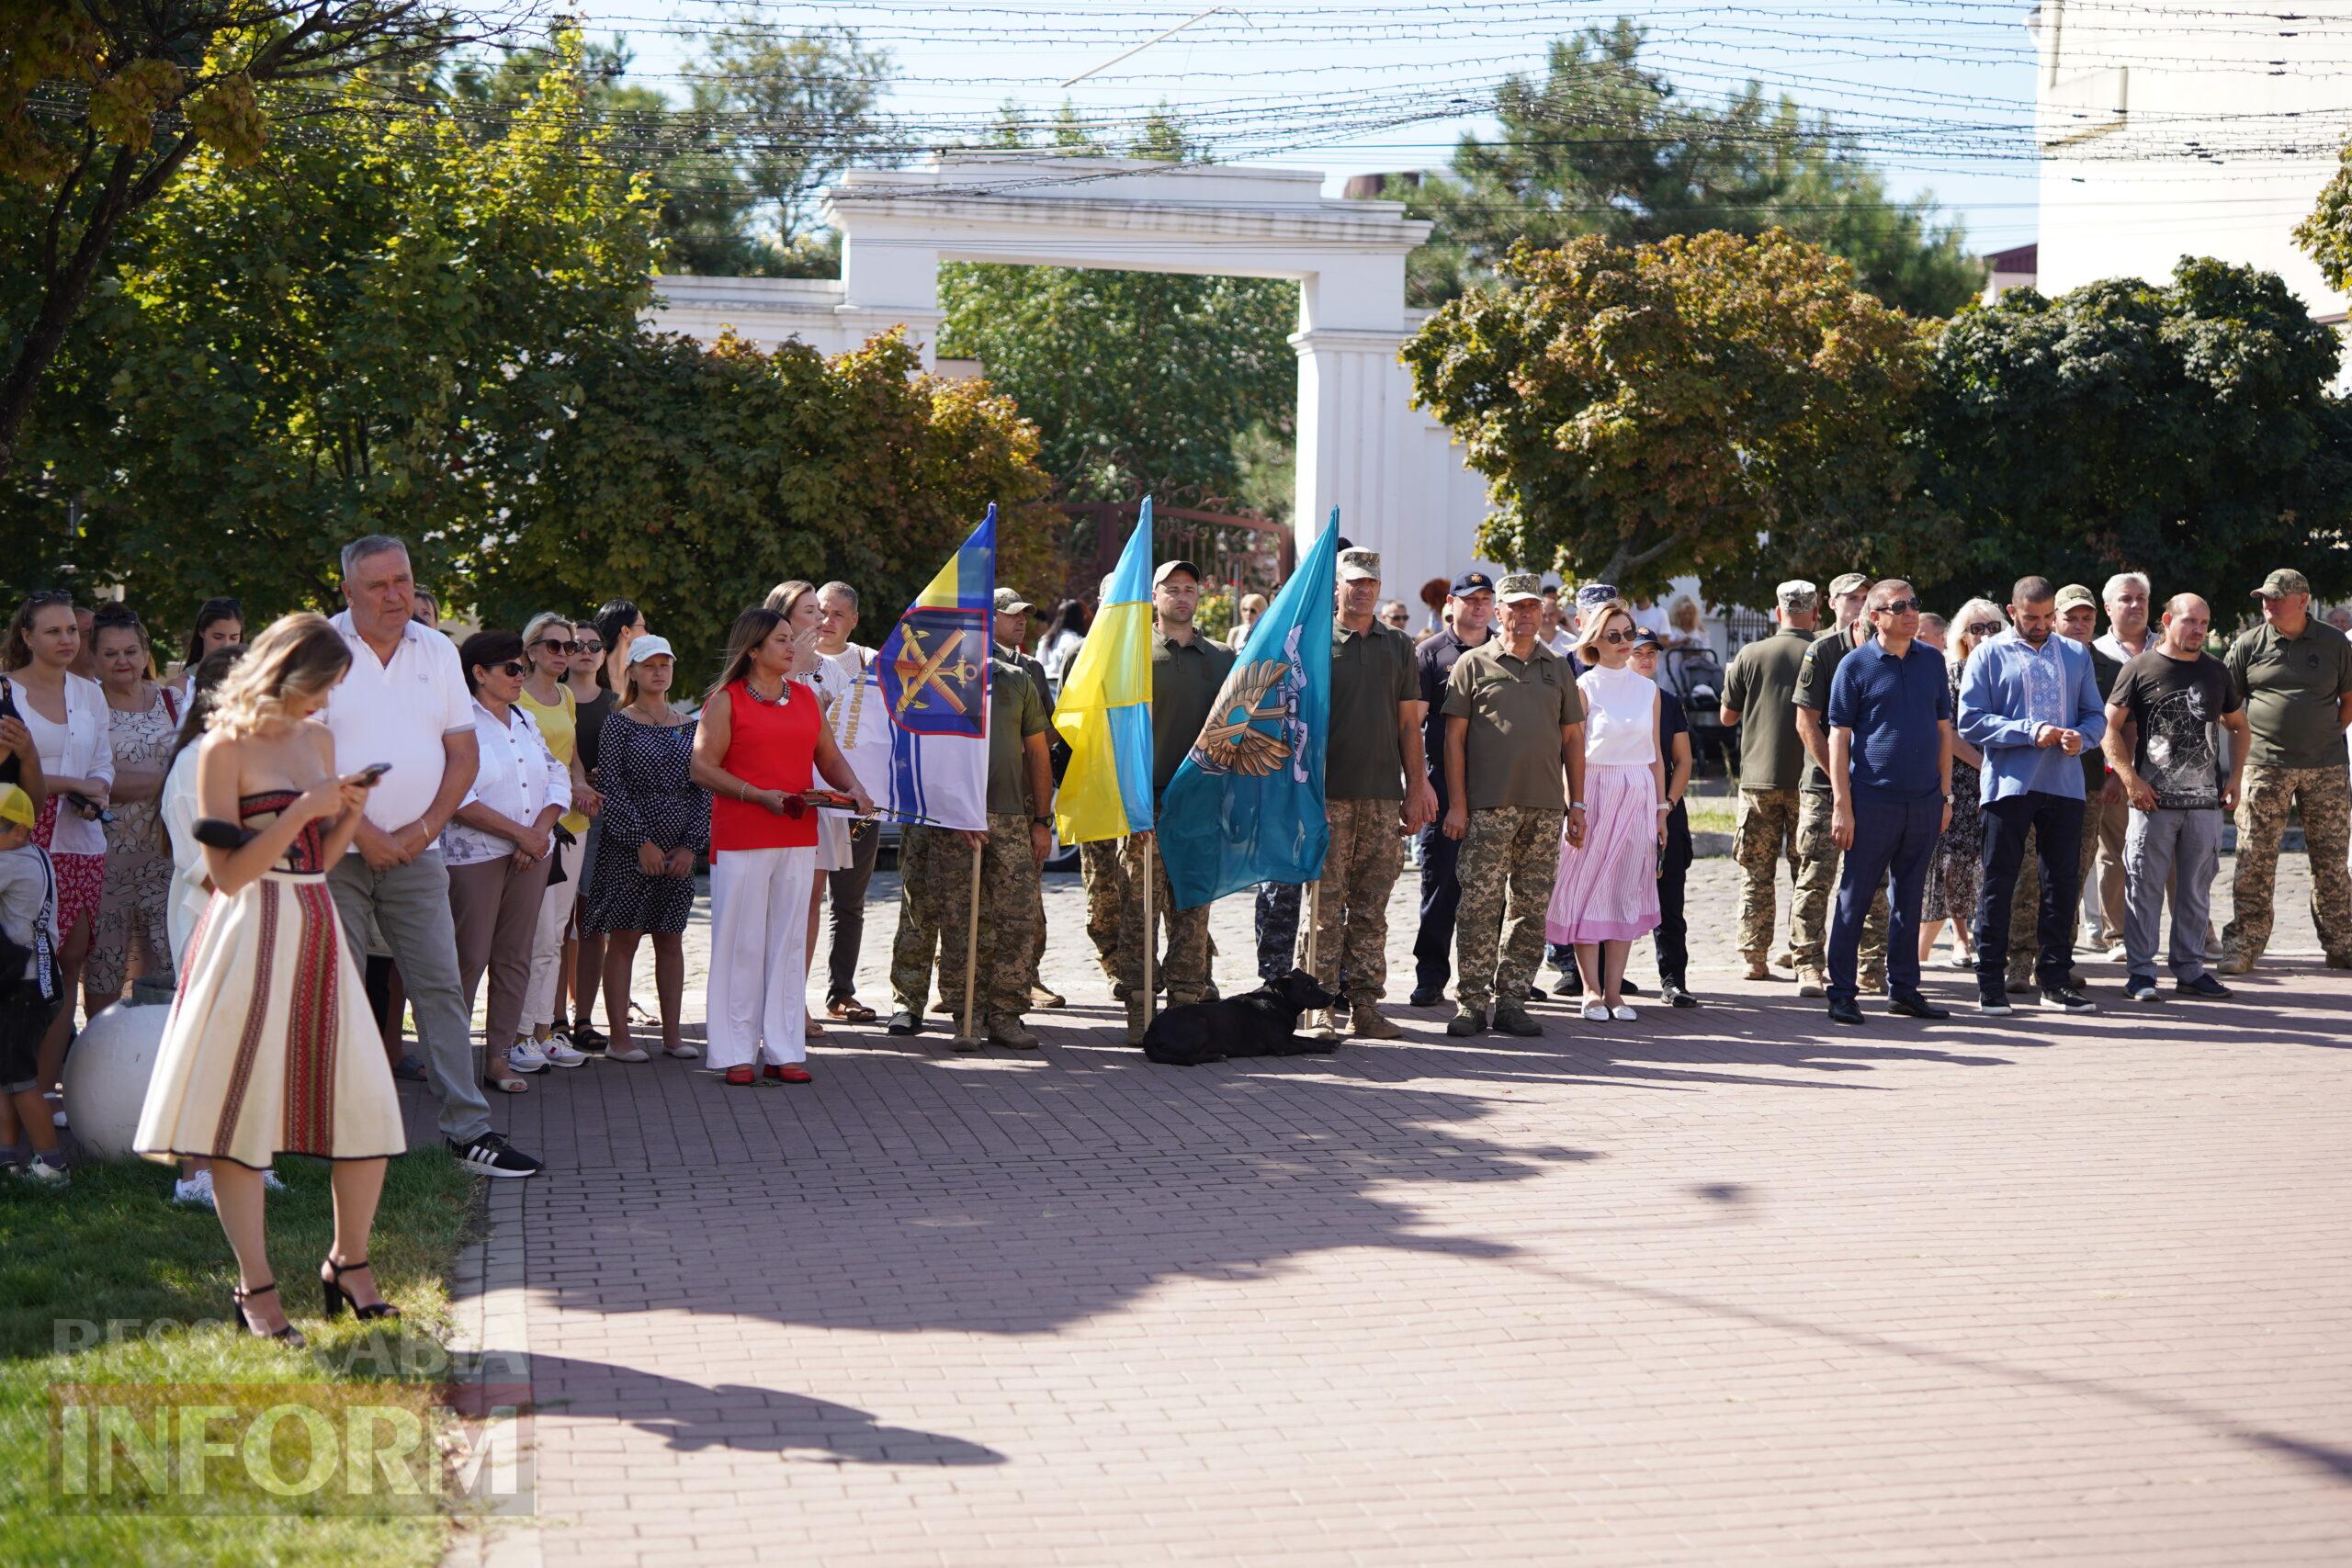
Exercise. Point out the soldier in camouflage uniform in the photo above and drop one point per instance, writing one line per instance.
(935, 884)
(1103, 870)
(2295, 673)
(1514, 725)
(1013, 615)
(1375, 790)
(1817, 854)
(1760, 697)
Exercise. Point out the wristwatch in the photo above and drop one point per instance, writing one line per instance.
(1041, 821)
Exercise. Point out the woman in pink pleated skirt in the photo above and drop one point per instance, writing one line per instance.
(1606, 893)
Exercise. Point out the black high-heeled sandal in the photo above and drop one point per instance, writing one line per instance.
(290, 1336)
(331, 1288)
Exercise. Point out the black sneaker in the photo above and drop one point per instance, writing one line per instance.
(2204, 988)
(1571, 985)
(1627, 988)
(490, 1155)
(1993, 997)
(408, 1068)
(1912, 1004)
(2143, 988)
(1675, 995)
(2065, 998)
(1426, 997)
(1511, 1018)
(1465, 1023)
(903, 1022)
(1845, 1010)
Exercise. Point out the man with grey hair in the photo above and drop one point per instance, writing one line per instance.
(1759, 700)
(858, 714)
(404, 703)
(2125, 597)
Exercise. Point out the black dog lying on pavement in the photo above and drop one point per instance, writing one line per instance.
(1263, 1023)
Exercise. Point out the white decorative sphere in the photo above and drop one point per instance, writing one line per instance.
(106, 1074)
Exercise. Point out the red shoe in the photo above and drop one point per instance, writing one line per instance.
(788, 1074)
(740, 1076)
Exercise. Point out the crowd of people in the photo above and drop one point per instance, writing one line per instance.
(338, 823)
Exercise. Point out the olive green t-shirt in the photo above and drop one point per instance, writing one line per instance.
(1036, 674)
(2290, 685)
(1371, 679)
(1514, 708)
(1185, 679)
(1761, 687)
(1016, 711)
(1814, 675)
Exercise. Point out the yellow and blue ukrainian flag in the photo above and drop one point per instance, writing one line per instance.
(1105, 709)
(934, 680)
(1247, 805)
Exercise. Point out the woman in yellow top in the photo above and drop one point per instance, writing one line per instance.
(550, 644)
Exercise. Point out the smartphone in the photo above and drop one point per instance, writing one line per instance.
(371, 772)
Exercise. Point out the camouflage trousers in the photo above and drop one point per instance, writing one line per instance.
(1184, 971)
(2325, 795)
(935, 893)
(1508, 860)
(1764, 840)
(1105, 877)
(1359, 869)
(1818, 860)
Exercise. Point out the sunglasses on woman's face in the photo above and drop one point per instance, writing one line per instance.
(559, 645)
(514, 667)
(587, 647)
(1983, 628)
(1619, 637)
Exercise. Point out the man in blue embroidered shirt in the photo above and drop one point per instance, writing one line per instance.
(2030, 703)
(1890, 786)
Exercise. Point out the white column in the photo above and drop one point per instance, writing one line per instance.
(888, 283)
(1358, 444)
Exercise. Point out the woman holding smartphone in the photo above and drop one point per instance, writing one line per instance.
(270, 1048)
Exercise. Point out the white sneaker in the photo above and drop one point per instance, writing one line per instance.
(194, 1191)
(2115, 954)
(559, 1054)
(524, 1057)
(40, 1173)
(1623, 1014)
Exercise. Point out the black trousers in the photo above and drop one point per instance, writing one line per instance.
(845, 891)
(1896, 838)
(1674, 876)
(2056, 823)
(1440, 896)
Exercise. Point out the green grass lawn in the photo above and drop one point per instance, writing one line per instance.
(111, 1247)
(1710, 813)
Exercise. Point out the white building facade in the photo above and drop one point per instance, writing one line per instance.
(2175, 127)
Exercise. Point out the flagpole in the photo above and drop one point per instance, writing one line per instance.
(1314, 920)
(1150, 942)
(972, 953)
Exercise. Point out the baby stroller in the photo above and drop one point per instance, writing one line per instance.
(1696, 675)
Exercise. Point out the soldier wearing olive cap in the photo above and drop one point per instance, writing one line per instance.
(1818, 856)
(2294, 672)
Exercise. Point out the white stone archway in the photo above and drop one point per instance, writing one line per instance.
(1395, 474)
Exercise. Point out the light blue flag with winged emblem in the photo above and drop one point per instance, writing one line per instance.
(1247, 805)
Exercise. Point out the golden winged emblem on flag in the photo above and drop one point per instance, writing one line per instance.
(1228, 742)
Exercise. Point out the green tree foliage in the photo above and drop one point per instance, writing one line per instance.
(1602, 145)
(1143, 383)
(101, 107)
(1714, 404)
(2182, 429)
(378, 328)
(2327, 234)
(695, 479)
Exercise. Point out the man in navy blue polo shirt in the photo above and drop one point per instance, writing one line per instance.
(1890, 784)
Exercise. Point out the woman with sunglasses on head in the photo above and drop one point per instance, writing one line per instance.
(270, 1048)
(549, 646)
(1952, 874)
(499, 849)
(593, 703)
(143, 722)
(67, 720)
(656, 820)
(761, 745)
(1606, 892)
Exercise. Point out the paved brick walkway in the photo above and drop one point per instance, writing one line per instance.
(1713, 1287)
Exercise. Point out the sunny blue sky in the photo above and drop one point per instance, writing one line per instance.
(1940, 90)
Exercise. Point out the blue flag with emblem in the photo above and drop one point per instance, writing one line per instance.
(1247, 805)
(934, 673)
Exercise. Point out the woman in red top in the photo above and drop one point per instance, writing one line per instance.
(760, 741)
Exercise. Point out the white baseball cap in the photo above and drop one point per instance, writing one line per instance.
(649, 647)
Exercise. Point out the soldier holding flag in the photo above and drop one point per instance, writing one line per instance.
(1374, 749)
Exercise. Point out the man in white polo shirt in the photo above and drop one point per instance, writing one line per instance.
(405, 702)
